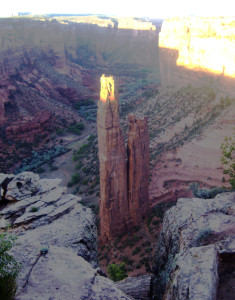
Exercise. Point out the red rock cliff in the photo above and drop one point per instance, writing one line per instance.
(198, 51)
(138, 167)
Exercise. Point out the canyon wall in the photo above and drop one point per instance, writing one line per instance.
(198, 51)
(124, 173)
(51, 64)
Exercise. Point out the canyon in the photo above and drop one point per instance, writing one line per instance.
(180, 75)
(57, 246)
(124, 200)
(42, 71)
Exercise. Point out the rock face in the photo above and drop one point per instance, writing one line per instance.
(137, 287)
(197, 235)
(198, 51)
(57, 242)
(138, 171)
(123, 181)
(19, 130)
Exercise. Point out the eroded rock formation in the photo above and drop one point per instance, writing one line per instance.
(198, 51)
(123, 180)
(138, 170)
(112, 156)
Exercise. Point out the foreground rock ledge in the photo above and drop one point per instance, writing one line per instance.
(57, 241)
(195, 248)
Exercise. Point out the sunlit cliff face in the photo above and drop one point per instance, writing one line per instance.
(107, 88)
(205, 44)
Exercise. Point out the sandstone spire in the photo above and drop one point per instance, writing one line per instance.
(112, 156)
(138, 167)
(124, 196)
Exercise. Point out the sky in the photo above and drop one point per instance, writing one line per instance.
(144, 8)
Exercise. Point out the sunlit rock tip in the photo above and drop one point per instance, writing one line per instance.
(107, 88)
(112, 156)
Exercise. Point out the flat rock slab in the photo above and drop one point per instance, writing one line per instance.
(61, 274)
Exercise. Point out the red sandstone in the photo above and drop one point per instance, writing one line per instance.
(123, 187)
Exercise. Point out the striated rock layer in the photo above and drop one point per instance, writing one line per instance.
(138, 171)
(124, 196)
(56, 241)
(198, 51)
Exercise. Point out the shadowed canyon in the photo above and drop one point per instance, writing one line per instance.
(126, 145)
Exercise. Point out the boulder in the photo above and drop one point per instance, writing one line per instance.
(136, 287)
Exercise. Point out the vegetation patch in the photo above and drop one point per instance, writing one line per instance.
(9, 268)
(39, 158)
(206, 193)
(117, 272)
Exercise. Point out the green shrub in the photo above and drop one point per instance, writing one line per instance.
(206, 193)
(117, 272)
(136, 251)
(59, 131)
(76, 128)
(91, 138)
(228, 158)
(75, 178)
(34, 209)
(202, 236)
(44, 251)
(84, 181)
(9, 268)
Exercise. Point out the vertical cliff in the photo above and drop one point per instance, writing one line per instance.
(198, 51)
(112, 155)
(138, 167)
(123, 178)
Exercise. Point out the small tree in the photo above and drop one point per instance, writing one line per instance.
(9, 268)
(228, 158)
(117, 272)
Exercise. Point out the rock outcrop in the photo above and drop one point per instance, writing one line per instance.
(114, 213)
(136, 287)
(28, 129)
(198, 51)
(138, 170)
(196, 240)
(56, 241)
(123, 178)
